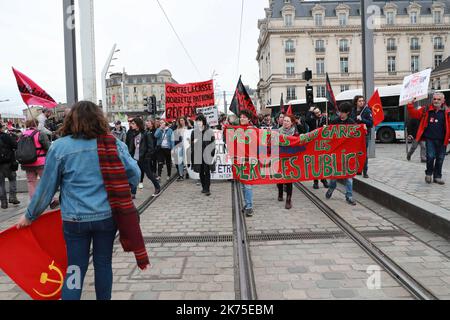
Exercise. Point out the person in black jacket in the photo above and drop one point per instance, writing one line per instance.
(149, 151)
(316, 119)
(362, 114)
(8, 145)
(203, 150)
(136, 147)
(345, 110)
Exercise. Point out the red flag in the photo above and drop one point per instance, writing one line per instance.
(289, 111)
(35, 258)
(330, 95)
(31, 93)
(377, 109)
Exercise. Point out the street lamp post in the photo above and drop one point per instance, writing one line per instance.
(70, 51)
(104, 76)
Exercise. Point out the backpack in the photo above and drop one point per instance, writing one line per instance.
(26, 152)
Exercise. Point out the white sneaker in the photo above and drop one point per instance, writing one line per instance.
(141, 186)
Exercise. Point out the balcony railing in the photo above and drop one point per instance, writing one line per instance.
(438, 47)
(344, 49)
(290, 98)
(415, 47)
(320, 50)
(289, 50)
(392, 48)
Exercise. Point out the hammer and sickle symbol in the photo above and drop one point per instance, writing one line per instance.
(376, 108)
(45, 279)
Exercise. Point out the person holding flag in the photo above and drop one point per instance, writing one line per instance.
(362, 114)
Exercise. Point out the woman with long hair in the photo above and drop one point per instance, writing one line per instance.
(164, 146)
(93, 202)
(136, 146)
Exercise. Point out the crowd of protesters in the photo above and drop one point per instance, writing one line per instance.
(93, 204)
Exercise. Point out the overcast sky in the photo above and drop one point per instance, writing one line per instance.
(31, 34)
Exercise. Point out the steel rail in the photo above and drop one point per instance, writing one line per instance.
(392, 268)
(247, 287)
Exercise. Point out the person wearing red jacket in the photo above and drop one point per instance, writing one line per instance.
(434, 129)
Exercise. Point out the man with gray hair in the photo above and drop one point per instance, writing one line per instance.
(434, 128)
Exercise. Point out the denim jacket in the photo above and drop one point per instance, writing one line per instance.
(159, 135)
(73, 166)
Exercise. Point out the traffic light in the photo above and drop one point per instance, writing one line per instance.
(152, 102)
(146, 102)
(309, 95)
(307, 75)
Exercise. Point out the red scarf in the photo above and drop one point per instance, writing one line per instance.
(123, 209)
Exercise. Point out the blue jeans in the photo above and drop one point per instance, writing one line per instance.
(435, 158)
(78, 238)
(348, 187)
(248, 196)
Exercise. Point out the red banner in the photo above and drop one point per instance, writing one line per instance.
(31, 93)
(266, 157)
(35, 258)
(183, 99)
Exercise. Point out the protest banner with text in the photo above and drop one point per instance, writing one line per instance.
(182, 100)
(266, 157)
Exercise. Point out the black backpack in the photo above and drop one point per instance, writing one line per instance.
(26, 152)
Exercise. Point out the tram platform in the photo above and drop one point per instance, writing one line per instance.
(400, 185)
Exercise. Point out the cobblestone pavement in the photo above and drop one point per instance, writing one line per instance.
(310, 269)
(391, 168)
(182, 271)
(425, 258)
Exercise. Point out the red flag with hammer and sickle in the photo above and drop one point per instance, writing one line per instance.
(35, 258)
(377, 109)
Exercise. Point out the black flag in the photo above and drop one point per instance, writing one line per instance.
(242, 101)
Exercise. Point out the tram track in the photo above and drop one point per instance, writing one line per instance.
(407, 281)
(243, 259)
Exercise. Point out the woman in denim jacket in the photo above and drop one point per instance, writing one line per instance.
(73, 165)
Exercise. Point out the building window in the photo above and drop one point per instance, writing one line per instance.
(343, 45)
(344, 65)
(415, 44)
(345, 87)
(320, 65)
(289, 46)
(288, 20)
(290, 67)
(320, 46)
(391, 46)
(390, 18)
(414, 64)
(413, 17)
(438, 45)
(321, 92)
(437, 60)
(318, 19)
(437, 17)
(391, 65)
(437, 84)
(291, 94)
(342, 19)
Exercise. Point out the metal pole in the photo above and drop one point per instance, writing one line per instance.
(104, 76)
(123, 89)
(70, 51)
(368, 61)
(225, 104)
(87, 36)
